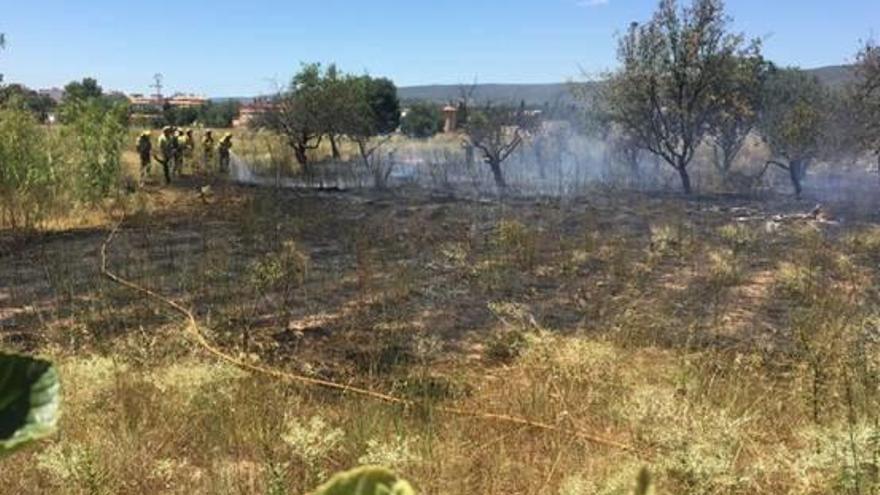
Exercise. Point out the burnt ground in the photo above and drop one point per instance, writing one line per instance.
(348, 282)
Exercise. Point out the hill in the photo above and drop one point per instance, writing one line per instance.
(539, 94)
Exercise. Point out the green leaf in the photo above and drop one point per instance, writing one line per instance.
(367, 480)
(29, 401)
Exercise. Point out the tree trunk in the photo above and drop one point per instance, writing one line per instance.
(796, 173)
(301, 157)
(495, 164)
(334, 149)
(685, 179)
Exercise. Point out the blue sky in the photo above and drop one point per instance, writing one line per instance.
(226, 48)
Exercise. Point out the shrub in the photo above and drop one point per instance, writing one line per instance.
(422, 120)
(28, 178)
(93, 142)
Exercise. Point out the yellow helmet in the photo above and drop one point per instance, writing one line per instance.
(166, 128)
(228, 135)
(146, 134)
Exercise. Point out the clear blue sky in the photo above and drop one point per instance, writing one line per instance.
(226, 48)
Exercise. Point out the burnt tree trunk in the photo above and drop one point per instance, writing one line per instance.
(334, 148)
(685, 179)
(302, 158)
(796, 170)
(495, 165)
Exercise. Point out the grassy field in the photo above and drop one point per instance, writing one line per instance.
(730, 352)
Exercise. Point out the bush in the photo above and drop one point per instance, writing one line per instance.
(93, 142)
(423, 120)
(28, 179)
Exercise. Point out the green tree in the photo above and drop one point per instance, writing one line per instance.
(867, 96)
(86, 89)
(672, 72)
(422, 120)
(741, 96)
(17, 94)
(298, 113)
(221, 114)
(371, 112)
(792, 121)
(497, 131)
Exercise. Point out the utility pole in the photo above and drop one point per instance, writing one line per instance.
(157, 86)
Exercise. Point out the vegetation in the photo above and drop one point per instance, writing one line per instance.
(793, 121)
(29, 401)
(673, 72)
(867, 94)
(422, 120)
(595, 334)
(323, 103)
(497, 131)
(210, 114)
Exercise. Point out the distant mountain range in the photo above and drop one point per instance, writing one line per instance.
(540, 94)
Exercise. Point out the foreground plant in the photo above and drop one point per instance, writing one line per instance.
(29, 401)
(367, 480)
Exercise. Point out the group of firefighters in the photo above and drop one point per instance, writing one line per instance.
(177, 146)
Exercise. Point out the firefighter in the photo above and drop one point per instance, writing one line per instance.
(208, 148)
(189, 145)
(177, 145)
(166, 151)
(223, 150)
(144, 148)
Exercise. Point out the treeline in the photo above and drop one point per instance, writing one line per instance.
(686, 80)
(210, 114)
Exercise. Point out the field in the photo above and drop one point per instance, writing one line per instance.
(533, 344)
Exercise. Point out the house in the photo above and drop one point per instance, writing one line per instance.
(250, 112)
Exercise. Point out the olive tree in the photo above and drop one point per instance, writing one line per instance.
(298, 113)
(867, 94)
(673, 70)
(370, 114)
(741, 95)
(497, 131)
(792, 121)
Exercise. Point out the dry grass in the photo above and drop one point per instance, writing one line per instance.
(739, 361)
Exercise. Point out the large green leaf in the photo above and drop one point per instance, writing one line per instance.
(29, 400)
(367, 480)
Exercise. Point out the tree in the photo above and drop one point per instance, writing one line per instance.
(371, 114)
(867, 94)
(497, 131)
(218, 114)
(88, 91)
(422, 120)
(741, 96)
(333, 105)
(82, 90)
(673, 70)
(792, 121)
(16, 94)
(297, 113)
